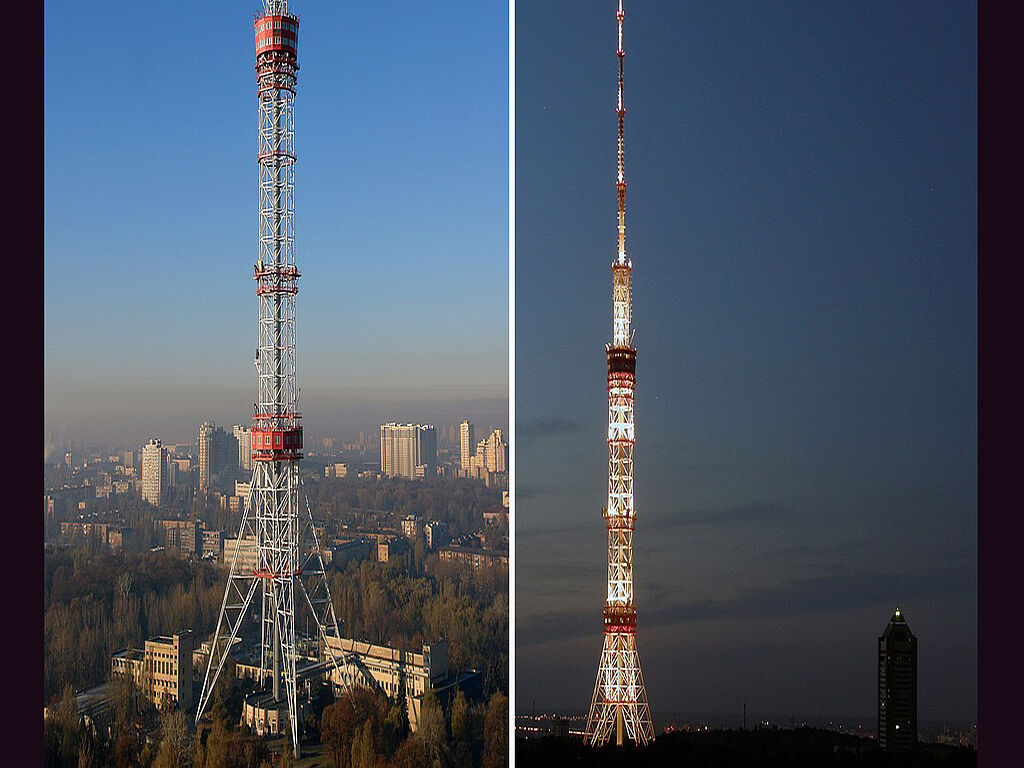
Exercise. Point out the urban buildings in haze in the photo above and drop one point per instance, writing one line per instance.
(218, 454)
(897, 686)
(408, 450)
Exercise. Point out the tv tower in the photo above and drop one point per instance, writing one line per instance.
(288, 567)
(620, 700)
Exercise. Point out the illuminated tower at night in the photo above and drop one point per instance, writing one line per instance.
(289, 574)
(619, 705)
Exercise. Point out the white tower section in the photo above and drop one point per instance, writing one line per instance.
(619, 703)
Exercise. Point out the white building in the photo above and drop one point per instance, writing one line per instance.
(408, 450)
(243, 435)
(154, 461)
(467, 444)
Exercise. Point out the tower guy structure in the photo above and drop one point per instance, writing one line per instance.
(289, 573)
(619, 704)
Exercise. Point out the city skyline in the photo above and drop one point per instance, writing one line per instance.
(803, 224)
(149, 233)
(803, 217)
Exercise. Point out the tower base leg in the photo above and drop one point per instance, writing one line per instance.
(620, 699)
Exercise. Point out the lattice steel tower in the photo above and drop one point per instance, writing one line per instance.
(288, 567)
(620, 700)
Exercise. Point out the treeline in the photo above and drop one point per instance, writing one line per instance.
(364, 730)
(385, 605)
(96, 603)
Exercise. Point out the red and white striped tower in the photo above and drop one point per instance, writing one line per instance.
(289, 568)
(620, 700)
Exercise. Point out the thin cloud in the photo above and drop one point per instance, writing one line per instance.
(548, 427)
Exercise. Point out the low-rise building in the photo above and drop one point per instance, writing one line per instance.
(391, 547)
(124, 539)
(247, 556)
(410, 526)
(477, 558)
(267, 716)
(341, 553)
(393, 671)
(182, 536)
(213, 543)
(162, 669)
(437, 534)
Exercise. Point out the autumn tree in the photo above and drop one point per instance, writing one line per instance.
(495, 754)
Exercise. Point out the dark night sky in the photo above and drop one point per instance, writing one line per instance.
(802, 219)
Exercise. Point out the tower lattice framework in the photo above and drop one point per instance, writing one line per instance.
(619, 704)
(289, 571)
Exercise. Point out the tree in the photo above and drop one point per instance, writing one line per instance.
(460, 718)
(495, 754)
(176, 745)
(287, 759)
(413, 753)
(67, 720)
(332, 732)
(342, 720)
(395, 728)
(218, 745)
(363, 754)
(432, 731)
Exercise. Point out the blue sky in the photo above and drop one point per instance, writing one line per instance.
(151, 214)
(802, 219)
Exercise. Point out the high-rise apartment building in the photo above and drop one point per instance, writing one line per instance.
(218, 454)
(467, 443)
(897, 686)
(491, 456)
(408, 450)
(243, 435)
(154, 467)
(495, 452)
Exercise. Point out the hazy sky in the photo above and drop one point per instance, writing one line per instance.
(802, 219)
(151, 218)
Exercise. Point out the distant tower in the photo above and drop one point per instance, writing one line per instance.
(620, 700)
(288, 567)
(897, 686)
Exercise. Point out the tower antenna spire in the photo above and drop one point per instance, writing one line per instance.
(621, 180)
(620, 704)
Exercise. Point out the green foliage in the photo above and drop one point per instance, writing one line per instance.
(363, 753)
(176, 748)
(495, 754)
(342, 721)
(469, 609)
(460, 718)
(96, 604)
(395, 727)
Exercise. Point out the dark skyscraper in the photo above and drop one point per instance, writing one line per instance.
(897, 686)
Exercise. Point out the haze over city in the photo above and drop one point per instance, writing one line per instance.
(150, 218)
